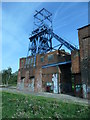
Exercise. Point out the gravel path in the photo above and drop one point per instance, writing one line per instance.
(63, 97)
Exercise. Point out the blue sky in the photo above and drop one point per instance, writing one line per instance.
(17, 24)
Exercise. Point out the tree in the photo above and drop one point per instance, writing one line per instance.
(6, 74)
(9, 71)
(0, 77)
(13, 78)
(8, 77)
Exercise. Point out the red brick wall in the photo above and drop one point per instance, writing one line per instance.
(20, 63)
(26, 82)
(75, 58)
(19, 76)
(84, 43)
(58, 56)
(42, 76)
(38, 79)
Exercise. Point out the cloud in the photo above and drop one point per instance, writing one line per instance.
(57, 11)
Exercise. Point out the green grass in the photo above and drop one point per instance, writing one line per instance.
(29, 106)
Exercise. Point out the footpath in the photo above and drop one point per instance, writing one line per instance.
(62, 97)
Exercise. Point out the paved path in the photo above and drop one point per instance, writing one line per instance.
(63, 97)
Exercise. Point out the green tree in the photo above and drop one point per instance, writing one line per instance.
(8, 77)
(6, 74)
(13, 78)
(9, 71)
(0, 77)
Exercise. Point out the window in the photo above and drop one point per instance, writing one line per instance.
(50, 57)
(27, 61)
(42, 59)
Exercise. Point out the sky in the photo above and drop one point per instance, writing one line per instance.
(17, 24)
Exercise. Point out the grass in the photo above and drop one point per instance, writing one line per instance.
(29, 106)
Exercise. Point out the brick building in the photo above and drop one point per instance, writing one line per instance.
(51, 72)
(59, 71)
(81, 64)
(84, 43)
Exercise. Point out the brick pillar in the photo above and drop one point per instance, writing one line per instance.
(19, 77)
(26, 82)
(38, 80)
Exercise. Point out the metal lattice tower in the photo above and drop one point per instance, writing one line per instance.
(40, 40)
(42, 35)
